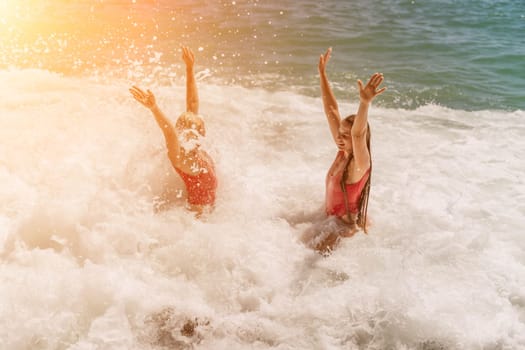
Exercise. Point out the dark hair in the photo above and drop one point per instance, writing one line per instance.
(365, 193)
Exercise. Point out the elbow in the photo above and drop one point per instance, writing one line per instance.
(358, 133)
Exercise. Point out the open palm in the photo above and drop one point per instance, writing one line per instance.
(188, 57)
(370, 90)
(146, 98)
(323, 60)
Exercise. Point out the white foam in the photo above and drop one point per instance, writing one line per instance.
(88, 262)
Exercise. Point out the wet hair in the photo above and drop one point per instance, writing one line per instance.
(189, 120)
(365, 193)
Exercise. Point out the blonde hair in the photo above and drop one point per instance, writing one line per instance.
(189, 120)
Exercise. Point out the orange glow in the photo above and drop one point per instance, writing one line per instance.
(124, 37)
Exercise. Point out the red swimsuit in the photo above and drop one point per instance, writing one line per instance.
(335, 202)
(201, 188)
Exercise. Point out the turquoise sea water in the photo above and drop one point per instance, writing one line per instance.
(464, 55)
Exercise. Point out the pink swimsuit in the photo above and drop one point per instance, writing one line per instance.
(201, 188)
(335, 203)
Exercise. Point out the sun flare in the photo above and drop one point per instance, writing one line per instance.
(7, 8)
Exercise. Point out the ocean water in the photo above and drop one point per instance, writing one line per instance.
(97, 252)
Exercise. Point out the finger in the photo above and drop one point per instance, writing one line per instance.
(374, 81)
(377, 78)
(137, 96)
(380, 91)
(371, 80)
(138, 90)
(328, 54)
(360, 84)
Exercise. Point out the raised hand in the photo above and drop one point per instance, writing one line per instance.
(369, 91)
(188, 57)
(146, 98)
(323, 60)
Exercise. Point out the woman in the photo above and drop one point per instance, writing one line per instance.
(194, 165)
(348, 179)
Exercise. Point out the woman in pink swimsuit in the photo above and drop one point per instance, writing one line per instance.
(348, 180)
(193, 164)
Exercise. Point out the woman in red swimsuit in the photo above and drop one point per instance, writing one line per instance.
(193, 164)
(348, 180)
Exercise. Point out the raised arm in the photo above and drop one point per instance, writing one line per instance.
(147, 99)
(359, 127)
(331, 109)
(192, 96)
